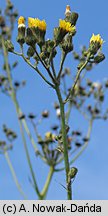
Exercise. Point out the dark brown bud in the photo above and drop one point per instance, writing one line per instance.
(45, 114)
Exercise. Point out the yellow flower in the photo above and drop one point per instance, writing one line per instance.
(42, 25)
(66, 26)
(97, 39)
(31, 22)
(21, 20)
(49, 136)
(35, 22)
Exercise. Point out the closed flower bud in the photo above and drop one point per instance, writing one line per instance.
(72, 18)
(31, 116)
(2, 143)
(45, 114)
(78, 144)
(30, 52)
(21, 116)
(72, 173)
(6, 30)
(99, 58)
(106, 84)
(66, 44)
(101, 97)
(9, 46)
(15, 13)
(68, 11)
(76, 55)
(47, 48)
(56, 106)
(55, 127)
(2, 21)
(9, 5)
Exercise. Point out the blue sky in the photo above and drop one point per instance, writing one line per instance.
(92, 179)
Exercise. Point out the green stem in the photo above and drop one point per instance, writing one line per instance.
(47, 183)
(68, 112)
(61, 65)
(13, 96)
(53, 69)
(83, 147)
(14, 174)
(51, 54)
(35, 68)
(76, 79)
(45, 66)
(64, 138)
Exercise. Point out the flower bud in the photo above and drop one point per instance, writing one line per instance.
(2, 21)
(99, 58)
(68, 11)
(30, 52)
(72, 173)
(45, 114)
(72, 18)
(9, 5)
(15, 13)
(66, 44)
(48, 48)
(9, 46)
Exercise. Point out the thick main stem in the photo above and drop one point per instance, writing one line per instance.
(64, 139)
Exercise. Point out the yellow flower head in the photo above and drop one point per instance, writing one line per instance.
(97, 39)
(35, 22)
(21, 20)
(66, 26)
(48, 135)
(41, 24)
(31, 22)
